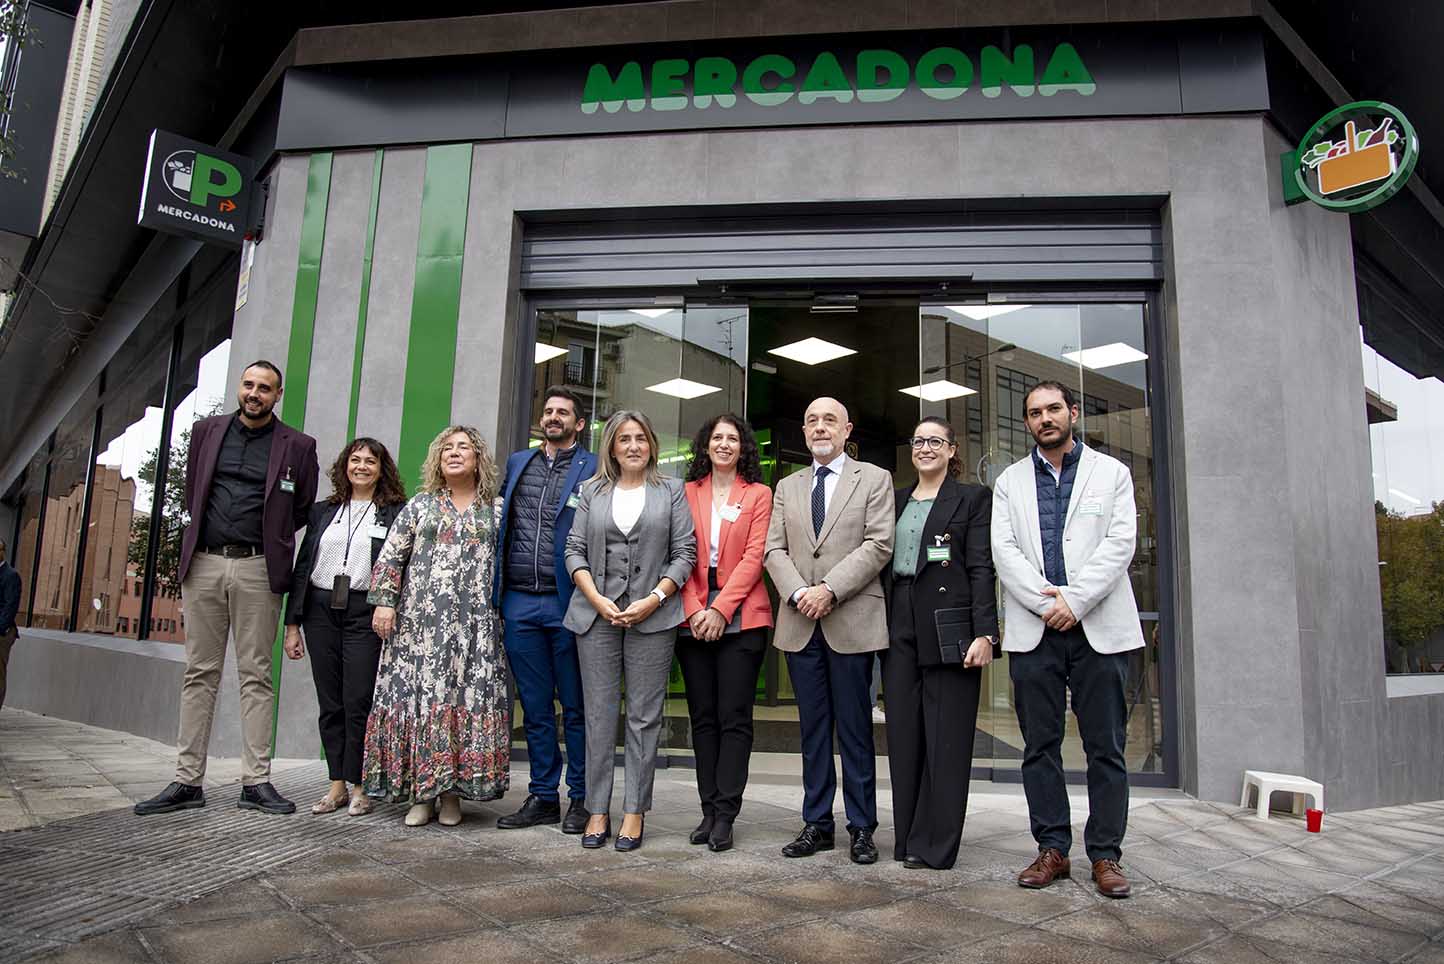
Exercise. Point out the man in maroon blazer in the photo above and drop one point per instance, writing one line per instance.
(250, 481)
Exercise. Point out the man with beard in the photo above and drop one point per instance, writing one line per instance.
(831, 534)
(1063, 536)
(533, 589)
(249, 484)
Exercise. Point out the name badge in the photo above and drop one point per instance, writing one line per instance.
(288, 486)
(378, 532)
(573, 500)
(1091, 507)
(730, 512)
(939, 553)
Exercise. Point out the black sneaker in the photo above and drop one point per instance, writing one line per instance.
(534, 810)
(263, 797)
(576, 819)
(177, 796)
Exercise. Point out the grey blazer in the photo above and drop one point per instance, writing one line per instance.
(665, 543)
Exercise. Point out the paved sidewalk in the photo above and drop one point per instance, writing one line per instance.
(1212, 883)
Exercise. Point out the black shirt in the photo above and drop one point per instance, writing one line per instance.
(238, 491)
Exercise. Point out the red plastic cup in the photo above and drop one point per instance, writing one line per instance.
(1315, 820)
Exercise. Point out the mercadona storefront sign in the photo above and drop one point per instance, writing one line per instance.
(875, 76)
(195, 190)
(1353, 159)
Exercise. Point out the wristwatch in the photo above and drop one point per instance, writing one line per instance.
(661, 596)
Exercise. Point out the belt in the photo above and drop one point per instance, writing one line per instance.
(233, 551)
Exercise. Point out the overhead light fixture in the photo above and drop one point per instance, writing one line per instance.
(984, 312)
(683, 388)
(833, 303)
(1106, 356)
(766, 368)
(651, 312)
(938, 391)
(812, 351)
(548, 352)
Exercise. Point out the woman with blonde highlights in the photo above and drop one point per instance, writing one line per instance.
(440, 724)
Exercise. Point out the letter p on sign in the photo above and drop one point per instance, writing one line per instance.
(213, 177)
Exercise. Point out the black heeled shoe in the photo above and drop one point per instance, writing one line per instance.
(721, 837)
(626, 844)
(703, 831)
(595, 841)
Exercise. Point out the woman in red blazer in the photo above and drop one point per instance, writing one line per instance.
(728, 614)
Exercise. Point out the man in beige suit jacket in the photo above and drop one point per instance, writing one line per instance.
(831, 534)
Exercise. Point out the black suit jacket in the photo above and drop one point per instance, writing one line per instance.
(322, 514)
(961, 517)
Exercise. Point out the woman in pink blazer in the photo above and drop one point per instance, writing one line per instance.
(728, 614)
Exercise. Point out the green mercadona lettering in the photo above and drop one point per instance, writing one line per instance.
(878, 76)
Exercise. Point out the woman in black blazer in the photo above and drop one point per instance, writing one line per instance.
(344, 534)
(943, 627)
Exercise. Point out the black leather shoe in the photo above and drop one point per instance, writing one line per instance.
(264, 797)
(534, 810)
(812, 840)
(863, 850)
(703, 831)
(915, 863)
(177, 796)
(627, 844)
(595, 841)
(576, 819)
(721, 837)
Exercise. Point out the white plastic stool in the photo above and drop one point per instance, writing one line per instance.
(1267, 783)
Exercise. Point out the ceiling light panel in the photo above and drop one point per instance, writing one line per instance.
(1106, 356)
(548, 352)
(938, 391)
(812, 351)
(984, 312)
(683, 388)
(651, 312)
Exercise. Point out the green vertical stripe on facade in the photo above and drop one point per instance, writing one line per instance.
(303, 328)
(367, 256)
(435, 304)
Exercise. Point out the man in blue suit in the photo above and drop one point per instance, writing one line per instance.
(533, 590)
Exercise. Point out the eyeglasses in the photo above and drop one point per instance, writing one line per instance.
(934, 442)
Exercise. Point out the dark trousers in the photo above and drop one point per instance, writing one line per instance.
(721, 680)
(831, 690)
(344, 654)
(1041, 678)
(932, 712)
(543, 657)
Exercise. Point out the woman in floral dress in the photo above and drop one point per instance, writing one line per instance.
(440, 724)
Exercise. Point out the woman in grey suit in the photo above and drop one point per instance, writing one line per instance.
(630, 549)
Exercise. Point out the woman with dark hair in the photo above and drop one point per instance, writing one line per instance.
(721, 645)
(943, 625)
(332, 575)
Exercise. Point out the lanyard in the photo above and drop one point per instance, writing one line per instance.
(345, 561)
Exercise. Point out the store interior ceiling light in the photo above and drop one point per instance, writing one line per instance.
(812, 351)
(938, 391)
(683, 388)
(984, 312)
(651, 312)
(1106, 356)
(547, 352)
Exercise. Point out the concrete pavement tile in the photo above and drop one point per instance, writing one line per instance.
(1246, 949)
(644, 882)
(1163, 862)
(826, 895)
(332, 861)
(1225, 837)
(1130, 927)
(698, 954)
(268, 936)
(344, 886)
(493, 947)
(416, 844)
(1373, 912)
(727, 913)
(826, 942)
(385, 921)
(471, 870)
(1289, 884)
(1229, 912)
(533, 900)
(119, 948)
(1358, 941)
(1007, 901)
(1406, 911)
(237, 900)
(611, 937)
(928, 923)
(735, 867)
(1428, 954)
(1035, 947)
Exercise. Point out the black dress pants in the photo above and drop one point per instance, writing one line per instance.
(1064, 661)
(932, 712)
(721, 680)
(344, 655)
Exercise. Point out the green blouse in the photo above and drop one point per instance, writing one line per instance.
(907, 541)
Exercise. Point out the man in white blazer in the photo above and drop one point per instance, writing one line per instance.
(1063, 536)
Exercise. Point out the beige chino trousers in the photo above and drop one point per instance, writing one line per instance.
(225, 597)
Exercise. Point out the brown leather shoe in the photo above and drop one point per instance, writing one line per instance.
(1110, 880)
(1050, 865)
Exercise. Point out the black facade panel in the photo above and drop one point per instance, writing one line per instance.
(35, 106)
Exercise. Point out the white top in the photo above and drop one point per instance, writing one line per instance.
(715, 537)
(829, 485)
(352, 523)
(627, 506)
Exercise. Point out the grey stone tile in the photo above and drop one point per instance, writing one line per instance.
(344, 887)
(1245, 949)
(929, 923)
(1407, 911)
(729, 913)
(827, 894)
(399, 920)
(1230, 912)
(1294, 884)
(531, 901)
(826, 942)
(1007, 901)
(237, 900)
(1133, 927)
(698, 954)
(605, 938)
(455, 873)
(120, 948)
(268, 937)
(494, 947)
(1163, 862)
(1374, 912)
(647, 882)
(736, 867)
(1428, 954)
(1035, 947)
(415, 845)
(1344, 937)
